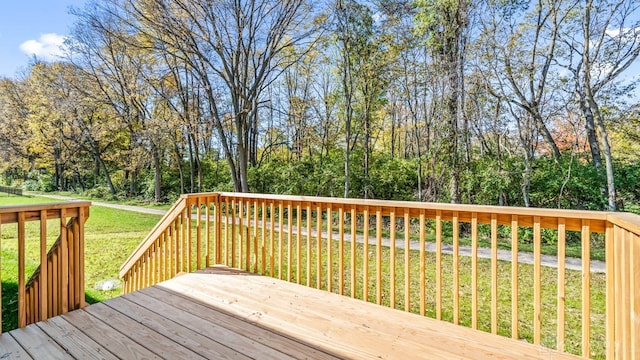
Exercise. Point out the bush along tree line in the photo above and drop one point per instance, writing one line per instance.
(519, 103)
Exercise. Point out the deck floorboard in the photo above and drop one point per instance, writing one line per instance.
(38, 344)
(77, 344)
(226, 313)
(10, 348)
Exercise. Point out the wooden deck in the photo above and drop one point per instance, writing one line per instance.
(221, 313)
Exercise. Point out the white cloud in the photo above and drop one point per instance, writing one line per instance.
(47, 47)
(615, 32)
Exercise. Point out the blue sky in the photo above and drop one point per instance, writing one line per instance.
(30, 27)
(38, 27)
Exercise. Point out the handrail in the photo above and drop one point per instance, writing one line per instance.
(9, 214)
(631, 222)
(504, 210)
(175, 210)
(57, 287)
(310, 240)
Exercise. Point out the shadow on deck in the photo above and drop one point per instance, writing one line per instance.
(221, 313)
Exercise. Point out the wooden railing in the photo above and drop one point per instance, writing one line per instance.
(308, 240)
(11, 190)
(58, 287)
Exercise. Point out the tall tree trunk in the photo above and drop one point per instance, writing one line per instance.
(606, 151)
(179, 165)
(367, 146)
(347, 83)
(107, 175)
(591, 104)
(393, 116)
(454, 133)
(192, 164)
(157, 174)
(546, 134)
(590, 127)
(243, 153)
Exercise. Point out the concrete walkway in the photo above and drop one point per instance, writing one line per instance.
(483, 253)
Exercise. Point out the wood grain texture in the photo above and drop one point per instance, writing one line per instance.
(221, 312)
(351, 263)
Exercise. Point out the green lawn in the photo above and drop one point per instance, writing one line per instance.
(7, 200)
(134, 202)
(111, 236)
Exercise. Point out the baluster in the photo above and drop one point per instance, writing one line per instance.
(407, 261)
(365, 255)
(392, 260)
(474, 270)
(514, 277)
(586, 288)
(456, 269)
(43, 266)
(561, 295)
(341, 250)
(439, 264)
(354, 241)
(537, 283)
(494, 274)
(423, 263)
(319, 247)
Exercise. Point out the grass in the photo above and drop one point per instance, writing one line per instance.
(14, 200)
(111, 235)
(134, 202)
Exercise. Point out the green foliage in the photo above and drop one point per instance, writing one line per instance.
(216, 174)
(309, 176)
(394, 178)
(628, 182)
(40, 182)
(570, 183)
(99, 192)
(487, 179)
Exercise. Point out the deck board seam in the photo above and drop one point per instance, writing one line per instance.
(65, 348)
(256, 324)
(148, 328)
(19, 344)
(78, 330)
(180, 326)
(246, 299)
(119, 332)
(44, 340)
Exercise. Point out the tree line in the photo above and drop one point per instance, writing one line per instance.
(509, 102)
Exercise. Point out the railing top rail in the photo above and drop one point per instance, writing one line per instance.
(506, 210)
(45, 206)
(8, 213)
(631, 222)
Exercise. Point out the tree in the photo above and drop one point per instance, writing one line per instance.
(104, 46)
(236, 49)
(520, 49)
(601, 43)
(15, 132)
(445, 23)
